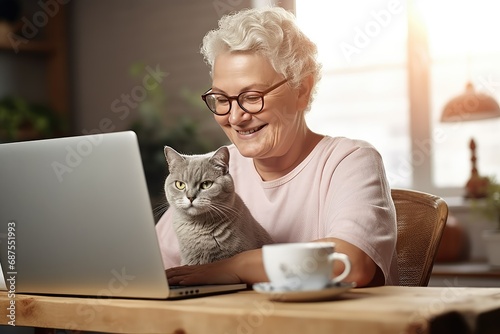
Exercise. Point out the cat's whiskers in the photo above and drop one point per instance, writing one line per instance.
(160, 209)
(229, 208)
(215, 212)
(224, 211)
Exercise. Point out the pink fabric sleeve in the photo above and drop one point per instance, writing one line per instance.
(359, 208)
(169, 246)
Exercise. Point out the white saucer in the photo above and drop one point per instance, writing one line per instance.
(302, 296)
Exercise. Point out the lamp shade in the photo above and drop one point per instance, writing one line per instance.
(470, 106)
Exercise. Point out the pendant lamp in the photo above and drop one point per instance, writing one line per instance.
(472, 106)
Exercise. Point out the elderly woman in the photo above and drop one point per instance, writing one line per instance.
(300, 185)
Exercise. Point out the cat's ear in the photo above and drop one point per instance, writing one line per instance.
(171, 155)
(221, 159)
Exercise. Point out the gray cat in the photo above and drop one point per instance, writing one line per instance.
(210, 219)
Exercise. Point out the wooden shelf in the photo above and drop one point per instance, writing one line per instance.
(466, 269)
(50, 43)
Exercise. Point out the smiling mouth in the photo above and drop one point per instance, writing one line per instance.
(248, 132)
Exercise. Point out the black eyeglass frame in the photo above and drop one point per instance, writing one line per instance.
(237, 97)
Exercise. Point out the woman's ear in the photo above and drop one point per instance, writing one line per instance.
(304, 92)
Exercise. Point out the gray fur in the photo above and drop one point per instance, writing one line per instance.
(213, 223)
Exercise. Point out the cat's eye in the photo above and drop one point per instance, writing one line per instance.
(206, 184)
(180, 185)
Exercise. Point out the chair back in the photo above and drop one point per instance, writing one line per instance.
(421, 219)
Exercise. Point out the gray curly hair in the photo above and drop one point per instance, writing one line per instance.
(271, 32)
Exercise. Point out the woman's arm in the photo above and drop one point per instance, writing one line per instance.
(248, 267)
(364, 271)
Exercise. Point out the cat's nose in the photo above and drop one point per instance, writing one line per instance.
(191, 199)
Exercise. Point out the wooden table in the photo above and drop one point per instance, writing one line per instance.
(368, 310)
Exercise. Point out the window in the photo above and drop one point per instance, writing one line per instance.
(374, 89)
(463, 49)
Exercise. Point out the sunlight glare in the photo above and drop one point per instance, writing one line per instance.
(461, 27)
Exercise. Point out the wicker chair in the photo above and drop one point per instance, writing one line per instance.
(421, 219)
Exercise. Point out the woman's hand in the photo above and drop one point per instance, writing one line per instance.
(245, 267)
(212, 273)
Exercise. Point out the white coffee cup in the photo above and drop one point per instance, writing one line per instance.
(303, 266)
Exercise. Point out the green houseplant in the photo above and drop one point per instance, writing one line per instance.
(23, 120)
(492, 201)
(490, 208)
(158, 126)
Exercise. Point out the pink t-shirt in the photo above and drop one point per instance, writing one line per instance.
(340, 190)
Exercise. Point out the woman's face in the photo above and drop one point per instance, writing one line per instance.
(271, 132)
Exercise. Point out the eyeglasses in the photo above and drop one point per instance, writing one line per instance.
(251, 102)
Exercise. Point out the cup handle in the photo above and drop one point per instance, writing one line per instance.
(344, 259)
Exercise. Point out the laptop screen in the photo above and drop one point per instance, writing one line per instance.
(78, 212)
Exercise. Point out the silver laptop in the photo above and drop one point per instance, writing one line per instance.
(76, 219)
